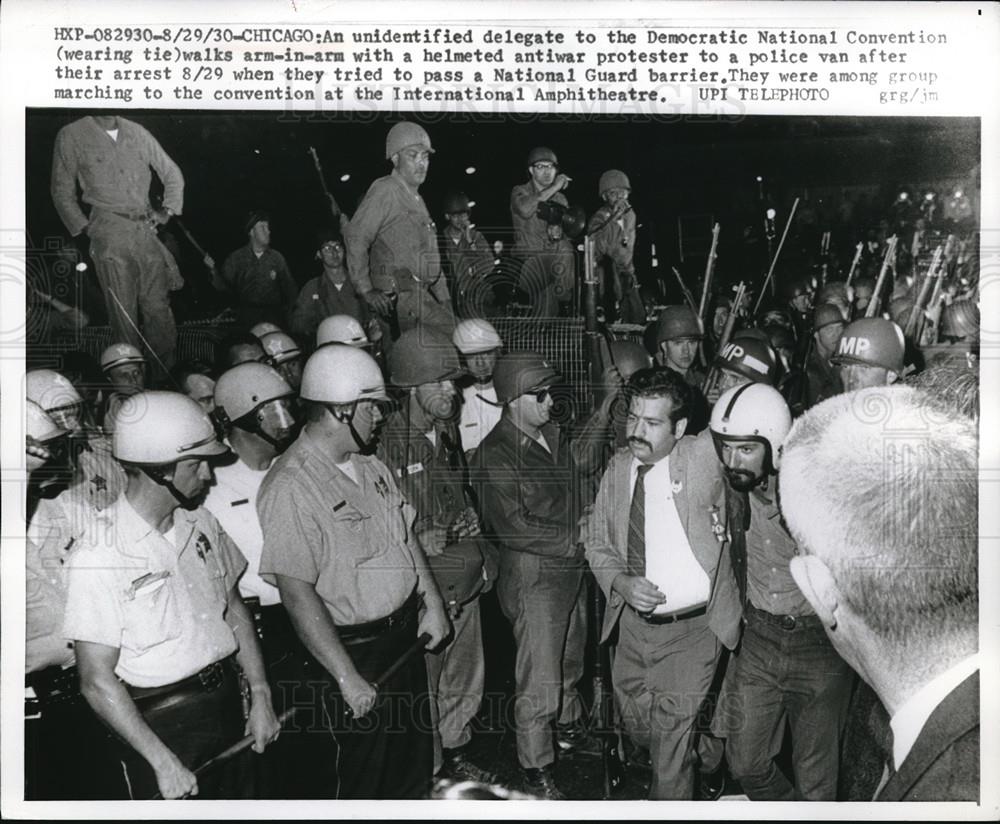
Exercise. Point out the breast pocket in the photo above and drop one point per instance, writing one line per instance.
(355, 538)
(152, 617)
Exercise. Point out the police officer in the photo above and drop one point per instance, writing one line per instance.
(528, 504)
(392, 242)
(284, 354)
(124, 368)
(869, 353)
(155, 613)
(612, 228)
(479, 345)
(342, 329)
(338, 547)
(255, 406)
(102, 479)
(420, 444)
(65, 752)
(823, 379)
(469, 258)
(785, 671)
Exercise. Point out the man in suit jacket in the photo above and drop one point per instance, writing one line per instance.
(876, 486)
(656, 543)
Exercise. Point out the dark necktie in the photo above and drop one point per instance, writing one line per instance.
(636, 550)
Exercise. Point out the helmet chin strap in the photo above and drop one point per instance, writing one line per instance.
(345, 414)
(157, 475)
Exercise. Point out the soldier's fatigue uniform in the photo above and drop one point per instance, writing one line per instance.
(530, 509)
(469, 263)
(134, 268)
(614, 248)
(392, 246)
(432, 482)
(349, 540)
(161, 600)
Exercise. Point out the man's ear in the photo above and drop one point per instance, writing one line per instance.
(680, 428)
(814, 579)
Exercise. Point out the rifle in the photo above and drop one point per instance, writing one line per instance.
(335, 209)
(890, 251)
(709, 272)
(854, 263)
(777, 254)
(824, 253)
(914, 324)
(689, 299)
(712, 378)
(932, 315)
(206, 258)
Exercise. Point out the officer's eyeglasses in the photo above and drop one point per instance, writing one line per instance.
(541, 395)
(544, 165)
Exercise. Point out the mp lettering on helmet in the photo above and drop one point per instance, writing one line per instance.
(735, 352)
(853, 346)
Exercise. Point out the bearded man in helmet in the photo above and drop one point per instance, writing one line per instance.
(869, 353)
(338, 546)
(655, 544)
(479, 345)
(785, 671)
(392, 250)
(468, 256)
(612, 228)
(155, 613)
(420, 443)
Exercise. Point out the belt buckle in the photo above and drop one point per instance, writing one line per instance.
(211, 677)
(788, 622)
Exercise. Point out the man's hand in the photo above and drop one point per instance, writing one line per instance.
(466, 525)
(435, 623)
(378, 302)
(358, 693)
(639, 593)
(36, 449)
(262, 724)
(159, 216)
(562, 181)
(433, 539)
(174, 780)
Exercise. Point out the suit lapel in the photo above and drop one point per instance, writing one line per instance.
(951, 719)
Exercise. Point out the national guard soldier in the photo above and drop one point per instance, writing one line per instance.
(530, 508)
(678, 334)
(338, 547)
(823, 379)
(544, 182)
(785, 671)
(469, 258)
(155, 614)
(747, 358)
(392, 250)
(420, 444)
(869, 353)
(613, 230)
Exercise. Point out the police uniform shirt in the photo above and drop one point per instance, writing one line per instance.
(478, 416)
(349, 540)
(161, 602)
(259, 280)
(670, 562)
(233, 502)
(53, 533)
(103, 477)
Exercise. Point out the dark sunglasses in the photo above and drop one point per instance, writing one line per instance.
(541, 395)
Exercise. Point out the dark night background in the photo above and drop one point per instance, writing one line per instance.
(696, 169)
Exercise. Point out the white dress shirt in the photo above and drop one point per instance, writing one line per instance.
(670, 563)
(233, 502)
(478, 416)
